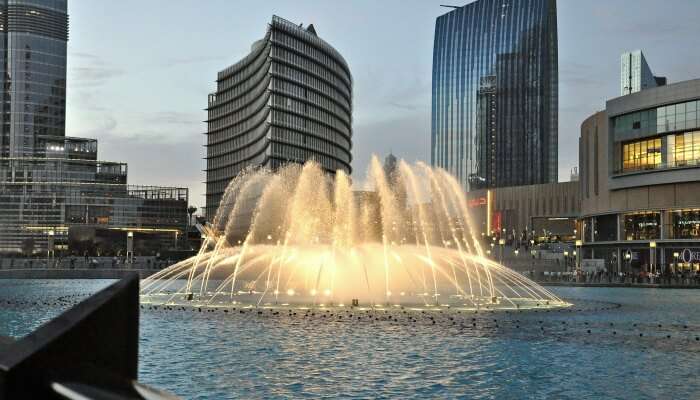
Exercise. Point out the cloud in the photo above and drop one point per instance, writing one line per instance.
(193, 60)
(159, 162)
(173, 117)
(91, 71)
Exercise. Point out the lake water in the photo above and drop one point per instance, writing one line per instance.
(219, 355)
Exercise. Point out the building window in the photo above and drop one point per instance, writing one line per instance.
(643, 226)
(605, 228)
(641, 155)
(685, 149)
(685, 224)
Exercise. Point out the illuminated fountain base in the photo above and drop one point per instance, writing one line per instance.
(363, 277)
(300, 237)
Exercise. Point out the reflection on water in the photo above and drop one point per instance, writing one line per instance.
(218, 354)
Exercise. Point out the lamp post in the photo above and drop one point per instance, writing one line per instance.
(628, 259)
(577, 253)
(566, 261)
(652, 260)
(130, 247)
(50, 248)
(501, 244)
(675, 261)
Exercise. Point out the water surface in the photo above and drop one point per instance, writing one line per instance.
(220, 355)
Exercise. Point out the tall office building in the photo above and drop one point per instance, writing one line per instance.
(52, 186)
(289, 100)
(32, 73)
(495, 93)
(635, 74)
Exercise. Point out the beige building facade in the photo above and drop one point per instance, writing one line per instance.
(542, 213)
(639, 165)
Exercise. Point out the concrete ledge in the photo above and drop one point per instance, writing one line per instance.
(66, 273)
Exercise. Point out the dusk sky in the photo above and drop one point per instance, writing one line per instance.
(139, 71)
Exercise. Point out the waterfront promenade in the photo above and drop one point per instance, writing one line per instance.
(78, 267)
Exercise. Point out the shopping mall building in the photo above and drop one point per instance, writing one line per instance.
(639, 168)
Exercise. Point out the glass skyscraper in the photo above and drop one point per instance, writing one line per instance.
(495, 93)
(33, 73)
(635, 74)
(53, 185)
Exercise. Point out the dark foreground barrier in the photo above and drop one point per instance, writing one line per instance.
(88, 352)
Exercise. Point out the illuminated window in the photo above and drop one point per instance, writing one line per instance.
(644, 154)
(686, 149)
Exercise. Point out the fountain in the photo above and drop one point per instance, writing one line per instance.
(298, 237)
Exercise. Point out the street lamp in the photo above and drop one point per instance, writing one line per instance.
(675, 260)
(577, 253)
(501, 243)
(566, 260)
(130, 247)
(50, 248)
(652, 258)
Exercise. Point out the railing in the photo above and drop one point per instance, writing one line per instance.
(658, 167)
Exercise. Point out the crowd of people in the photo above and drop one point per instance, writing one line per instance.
(667, 277)
(85, 262)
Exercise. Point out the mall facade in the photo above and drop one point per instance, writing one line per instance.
(639, 168)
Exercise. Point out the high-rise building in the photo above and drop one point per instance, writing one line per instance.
(52, 186)
(32, 74)
(289, 100)
(635, 74)
(495, 93)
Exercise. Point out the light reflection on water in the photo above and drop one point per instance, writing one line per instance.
(207, 355)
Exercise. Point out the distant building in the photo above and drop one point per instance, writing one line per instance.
(289, 100)
(53, 186)
(495, 93)
(640, 181)
(534, 212)
(635, 74)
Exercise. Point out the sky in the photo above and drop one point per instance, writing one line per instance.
(139, 71)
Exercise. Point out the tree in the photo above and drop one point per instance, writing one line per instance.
(28, 246)
(190, 210)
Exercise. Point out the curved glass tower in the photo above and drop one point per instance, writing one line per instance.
(289, 100)
(495, 93)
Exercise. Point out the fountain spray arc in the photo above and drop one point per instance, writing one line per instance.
(299, 236)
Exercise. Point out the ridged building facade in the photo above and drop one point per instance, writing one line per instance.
(289, 100)
(495, 93)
